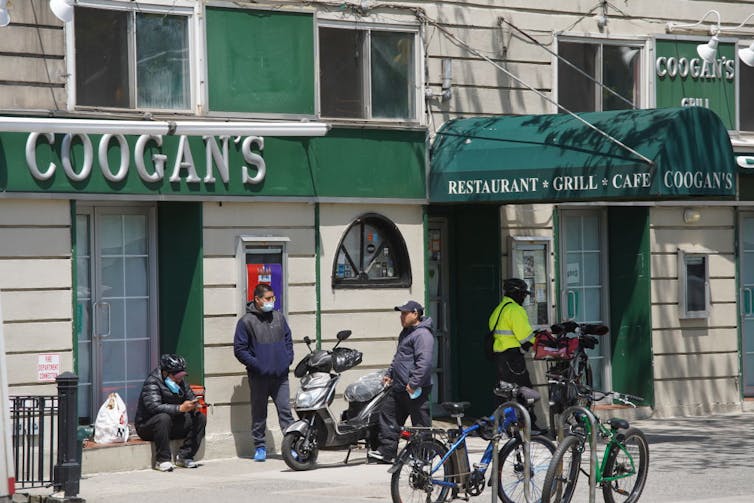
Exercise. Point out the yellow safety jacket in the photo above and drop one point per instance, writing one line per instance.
(513, 328)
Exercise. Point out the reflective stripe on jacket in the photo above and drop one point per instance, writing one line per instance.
(513, 328)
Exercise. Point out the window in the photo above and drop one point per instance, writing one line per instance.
(263, 260)
(372, 253)
(617, 66)
(132, 59)
(745, 97)
(529, 261)
(367, 74)
(693, 285)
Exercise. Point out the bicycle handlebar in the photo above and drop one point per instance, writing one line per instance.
(579, 328)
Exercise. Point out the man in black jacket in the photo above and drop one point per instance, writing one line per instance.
(168, 409)
(409, 378)
(263, 343)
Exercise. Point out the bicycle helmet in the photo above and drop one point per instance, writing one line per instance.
(172, 364)
(515, 285)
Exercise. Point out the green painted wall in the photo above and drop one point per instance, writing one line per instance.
(474, 263)
(630, 302)
(260, 61)
(180, 284)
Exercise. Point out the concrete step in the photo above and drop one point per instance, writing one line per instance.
(623, 412)
(132, 455)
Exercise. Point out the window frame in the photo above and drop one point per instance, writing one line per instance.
(418, 74)
(683, 287)
(741, 44)
(251, 245)
(519, 244)
(400, 255)
(640, 43)
(195, 37)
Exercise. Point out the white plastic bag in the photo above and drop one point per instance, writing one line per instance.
(111, 424)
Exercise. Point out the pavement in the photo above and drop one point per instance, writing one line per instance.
(698, 459)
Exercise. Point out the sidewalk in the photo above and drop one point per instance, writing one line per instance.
(699, 459)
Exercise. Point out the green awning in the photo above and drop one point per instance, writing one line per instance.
(558, 158)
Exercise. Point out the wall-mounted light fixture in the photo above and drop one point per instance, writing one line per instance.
(447, 82)
(4, 16)
(708, 51)
(691, 215)
(63, 9)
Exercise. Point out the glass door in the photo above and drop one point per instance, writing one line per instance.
(116, 316)
(438, 287)
(746, 302)
(583, 280)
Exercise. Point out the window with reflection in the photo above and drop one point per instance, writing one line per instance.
(372, 253)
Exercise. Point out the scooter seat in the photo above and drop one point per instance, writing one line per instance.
(455, 408)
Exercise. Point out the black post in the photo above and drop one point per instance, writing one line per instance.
(67, 474)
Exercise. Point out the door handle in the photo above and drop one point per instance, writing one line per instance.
(572, 307)
(102, 328)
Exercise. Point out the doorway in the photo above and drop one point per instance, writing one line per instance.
(438, 288)
(747, 301)
(116, 303)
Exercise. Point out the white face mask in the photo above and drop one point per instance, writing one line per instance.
(268, 306)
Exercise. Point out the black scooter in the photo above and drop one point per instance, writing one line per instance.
(317, 428)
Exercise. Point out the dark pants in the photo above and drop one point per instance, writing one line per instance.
(396, 408)
(161, 428)
(511, 367)
(262, 388)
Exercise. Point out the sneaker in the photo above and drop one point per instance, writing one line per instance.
(185, 462)
(164, 466)
(260, 454)
(378, 456)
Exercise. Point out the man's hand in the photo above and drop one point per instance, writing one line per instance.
(188, 405)
(526, 346)
(409, 389)
(387, 380)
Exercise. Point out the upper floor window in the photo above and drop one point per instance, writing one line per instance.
(745, 96)
(367, 73)
(132, 59)
(616, 65)
(372, 253)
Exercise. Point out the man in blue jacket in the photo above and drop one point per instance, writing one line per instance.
(409, 378)
(264, 345)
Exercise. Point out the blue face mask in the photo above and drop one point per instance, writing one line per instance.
(268, 306)
(170, 383)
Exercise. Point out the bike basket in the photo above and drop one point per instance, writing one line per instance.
(547, 347)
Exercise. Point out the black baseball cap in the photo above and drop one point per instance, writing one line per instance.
(411, 306)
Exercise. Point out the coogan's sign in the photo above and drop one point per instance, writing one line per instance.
(179, 166)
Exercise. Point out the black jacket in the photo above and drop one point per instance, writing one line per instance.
(412, 363)
(156, 397)
(263, 342)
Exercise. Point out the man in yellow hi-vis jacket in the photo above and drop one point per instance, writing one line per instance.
(513, 337)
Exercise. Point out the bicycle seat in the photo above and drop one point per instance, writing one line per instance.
(455, 409)
(618, 424)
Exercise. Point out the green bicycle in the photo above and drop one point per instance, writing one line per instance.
(621, 473)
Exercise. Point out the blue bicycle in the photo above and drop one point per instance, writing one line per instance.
(434, 464)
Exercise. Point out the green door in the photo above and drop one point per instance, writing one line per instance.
(474, 249)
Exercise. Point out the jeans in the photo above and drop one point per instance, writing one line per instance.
(262, 388)
(163, 427)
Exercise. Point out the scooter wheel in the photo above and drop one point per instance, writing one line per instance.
(295, 455)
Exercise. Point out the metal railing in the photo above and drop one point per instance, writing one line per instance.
(43, 432)
(34, 422)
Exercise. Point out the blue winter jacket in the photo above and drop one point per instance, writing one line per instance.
(263, 342)
(412, 363)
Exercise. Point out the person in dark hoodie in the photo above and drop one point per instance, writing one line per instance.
(264, 345)
(409, 378)
(168, 409)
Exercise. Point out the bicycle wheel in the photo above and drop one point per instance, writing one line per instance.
(630, 465)
(510, 487)
(563, 472)
(412, 480)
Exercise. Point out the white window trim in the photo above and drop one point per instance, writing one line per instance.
(642, 43)
(419, 105)
(196, 40)
(245, 243)
(683, 312)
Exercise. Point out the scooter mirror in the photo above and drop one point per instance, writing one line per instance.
(343, 335)
(307, 340)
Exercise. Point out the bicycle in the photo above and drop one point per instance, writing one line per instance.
(621, 473)
(567, 362)
(434, 464)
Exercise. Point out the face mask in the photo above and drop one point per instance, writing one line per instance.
(170, 383)
(268, 306)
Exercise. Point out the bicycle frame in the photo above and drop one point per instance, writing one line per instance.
(609, 434)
